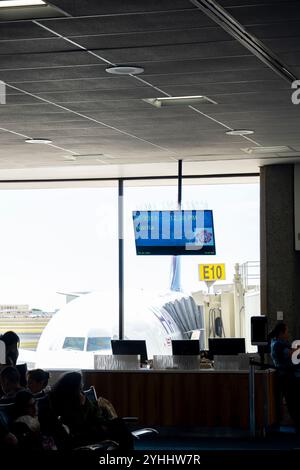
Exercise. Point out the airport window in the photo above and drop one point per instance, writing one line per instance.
(59, 275)
(60, 288)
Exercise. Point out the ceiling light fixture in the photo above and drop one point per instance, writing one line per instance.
(83, 161)
(239, 132)
(88, 156)
(179, 100)
(275, 149)
(38, 141)
(21, 3)
(125, 70)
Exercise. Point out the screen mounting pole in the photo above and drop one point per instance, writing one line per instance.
(175, 278)
(121, 257)
(179, 194)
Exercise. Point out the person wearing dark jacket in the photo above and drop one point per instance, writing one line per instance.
(11, 341)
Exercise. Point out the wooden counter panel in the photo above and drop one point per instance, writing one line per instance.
(212, 399)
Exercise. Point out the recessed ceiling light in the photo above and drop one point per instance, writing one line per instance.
(72, 158)
(179, 100)
(239, 132)
(21, 3)
(125, 70)
(38, 141)
(98, 157)
(85, 159)
(275, 149)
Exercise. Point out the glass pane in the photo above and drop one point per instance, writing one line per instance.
(59, 276)
(150, 304)
(236, 222)
(227, 303)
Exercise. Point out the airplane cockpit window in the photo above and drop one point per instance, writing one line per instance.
(74, 343)
(99, 343)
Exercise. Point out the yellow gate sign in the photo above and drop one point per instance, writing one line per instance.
(212, 272)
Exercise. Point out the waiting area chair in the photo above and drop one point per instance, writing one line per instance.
(91, 394)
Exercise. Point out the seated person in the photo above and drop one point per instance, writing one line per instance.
(288, 373)
(26, 426)
(66, 406)
(7, 439)
(106, 408)
(37, 380)
(10, 383)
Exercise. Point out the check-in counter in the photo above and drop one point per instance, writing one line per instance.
(204, 398)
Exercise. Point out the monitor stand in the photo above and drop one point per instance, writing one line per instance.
(261, 351)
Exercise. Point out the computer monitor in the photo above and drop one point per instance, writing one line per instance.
(129, 347)
(259, 331)
(185, 347)
(226, 346)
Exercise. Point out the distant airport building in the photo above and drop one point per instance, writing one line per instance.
(14, 310)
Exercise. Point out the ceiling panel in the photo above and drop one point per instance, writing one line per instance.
(152, 38)
(94, 7)
(276, 30)
(116, 88)
(49, 86)
(253, 3)
(266, 12)
(29, 46)
(180, 19)
(170, 53)
(47, 59)
(246, 75)
(22, 30)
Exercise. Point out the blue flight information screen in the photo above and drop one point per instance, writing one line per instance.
(178, 232)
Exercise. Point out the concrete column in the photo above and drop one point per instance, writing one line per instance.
(280, 263)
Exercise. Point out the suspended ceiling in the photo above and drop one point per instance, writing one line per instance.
(54, 66)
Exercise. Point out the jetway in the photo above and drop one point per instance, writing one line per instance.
(228, 310)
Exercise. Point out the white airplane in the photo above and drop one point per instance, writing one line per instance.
(85, 326)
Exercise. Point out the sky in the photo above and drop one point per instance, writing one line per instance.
(65, 240)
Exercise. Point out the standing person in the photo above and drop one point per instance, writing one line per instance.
(12, 343)
(288, 373)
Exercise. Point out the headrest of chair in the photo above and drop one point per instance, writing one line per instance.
(2, 352)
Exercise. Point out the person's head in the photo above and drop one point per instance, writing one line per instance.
(10, 379)
(37, 380)
(12, 341)
(280, 331)
(67, 390)
(25, 404)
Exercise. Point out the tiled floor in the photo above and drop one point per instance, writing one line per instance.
(283, 439)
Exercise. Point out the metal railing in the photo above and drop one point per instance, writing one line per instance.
(250, 273)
